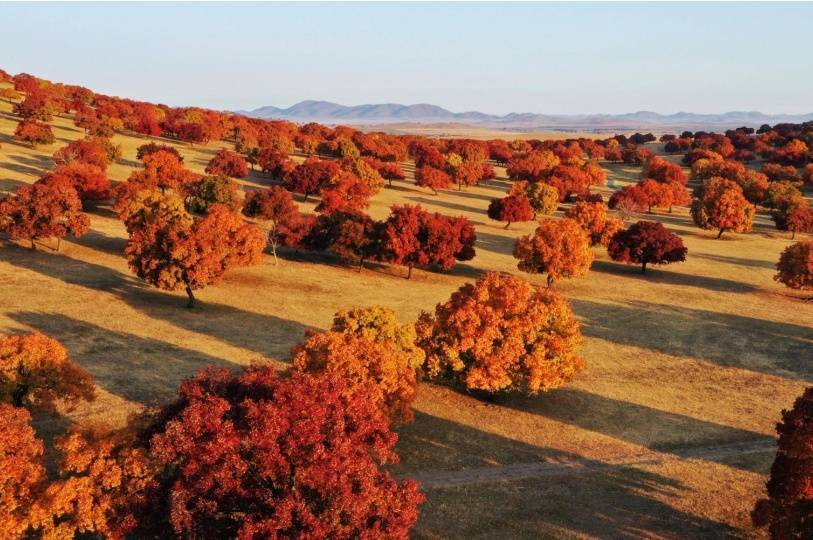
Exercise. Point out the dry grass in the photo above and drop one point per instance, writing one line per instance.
(694, 355)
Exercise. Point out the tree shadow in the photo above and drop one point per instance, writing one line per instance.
(600, 500)
(779, 349)
(139, 369)
(264, 334)
(658, 275)
(495, 243)
(753, 263)
(655, 429)
(446, 204)
(93, 239)
(10, 186)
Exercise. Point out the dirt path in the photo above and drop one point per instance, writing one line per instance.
(522, 471)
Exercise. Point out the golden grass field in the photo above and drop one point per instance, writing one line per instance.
(667, 434)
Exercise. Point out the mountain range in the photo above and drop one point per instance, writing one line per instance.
(423, 113)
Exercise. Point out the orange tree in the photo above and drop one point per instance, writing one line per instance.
(502, 334)
(720, 204)
(173, 255)
(559, 248)
(35, 372)
(593, 218)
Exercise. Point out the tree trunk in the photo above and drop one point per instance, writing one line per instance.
(643, 268)
(792, 235)
(550, 280)
(33, 247)
(434, 191)
(507, 224)
(306, 197)
(722, 230)
(18, 396)
(409, 272)
(191, 303)
(58, 242)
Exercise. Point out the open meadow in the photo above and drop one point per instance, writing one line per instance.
(668, 433)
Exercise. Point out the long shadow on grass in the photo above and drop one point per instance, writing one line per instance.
(638, 424)
(661, 275)
(139, 369)
(496, 243)
(606, 502)
(775, 348)
(741, 261)
(439, 201)
(267, 335)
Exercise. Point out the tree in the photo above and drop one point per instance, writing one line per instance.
(311, 176)
(413, 237)
(227, 163)
(105, 486)
(88, 150)
(163, 169)
(795, 266)
(42, 210)
(502, 334)
(22, 474)
(36, 373)
(173, 256)
(352, 236)
(533, 167)
(274, 206)
(782, 196)
(559, 247)
(796, 219)
(380, 324)
(719, 203)
(365, 172)
(345, 192)
(629, 199)
(646, 242)
(544, 198)
(434, 179)
(259, 456)
(150, 148)
(593, 218)
(511, 209)
(136, 209)
(664, 171)
(378, 368)
(89, 181)
(275, 163)
(787, 510)
(210, 190)
(34, 133)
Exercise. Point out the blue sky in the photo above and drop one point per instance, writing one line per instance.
(496, 58)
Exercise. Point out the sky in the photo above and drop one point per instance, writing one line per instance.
(550, 58)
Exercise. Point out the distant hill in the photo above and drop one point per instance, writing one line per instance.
(388, 113)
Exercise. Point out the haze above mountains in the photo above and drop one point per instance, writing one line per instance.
(394, 113)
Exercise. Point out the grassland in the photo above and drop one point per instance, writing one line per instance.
(667, 434)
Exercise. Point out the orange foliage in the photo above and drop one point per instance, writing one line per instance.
(559, 247)
(502, 334)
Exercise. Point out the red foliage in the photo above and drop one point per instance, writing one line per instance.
(311, 176)
(150, 148)
(511, 209)
(797, 219)
(413, 237)
(89, 151)
(34, 133)
(630, 199)
(787, 509)
(345, 192)
(533, 167)
(89, 181)
(258, 456)
(228, 163)
(42, 210)
(434, 179)
(646, 242)
(664, 171)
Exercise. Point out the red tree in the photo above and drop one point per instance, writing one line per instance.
(89, 181)
(228, 163)
(34, 133)
(795, 266)
(434, 179)
(787, 510)
(258, 456)
(646, 242)
(311, 176)
(274, 206)
(511, 209)
(413, 237)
